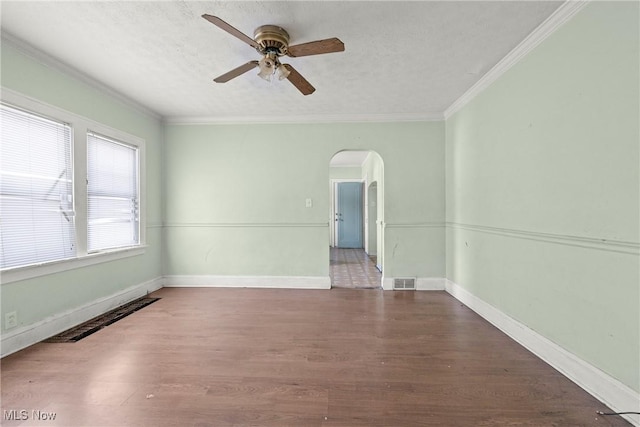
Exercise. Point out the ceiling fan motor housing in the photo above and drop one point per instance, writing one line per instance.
(271, 39)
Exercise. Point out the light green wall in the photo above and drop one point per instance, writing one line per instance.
(257, 223)
(543, 190)
(39, 298)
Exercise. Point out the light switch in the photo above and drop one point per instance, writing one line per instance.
(308, 203)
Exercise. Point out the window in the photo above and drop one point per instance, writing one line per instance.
(72, 190)
(36, 189)
(113, 219)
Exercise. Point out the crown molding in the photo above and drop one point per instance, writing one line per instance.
(324, 118)
(564, 13)
(48, 60)
(558, 18)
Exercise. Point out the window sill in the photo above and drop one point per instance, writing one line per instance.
(30, 271)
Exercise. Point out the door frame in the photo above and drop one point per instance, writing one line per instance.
(333, 189)
(368, 220)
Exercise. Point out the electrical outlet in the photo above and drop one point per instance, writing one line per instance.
(308, 203)
(11, 320)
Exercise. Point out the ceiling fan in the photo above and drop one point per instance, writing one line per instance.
(272, 42)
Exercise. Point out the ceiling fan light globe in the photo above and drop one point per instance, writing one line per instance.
(283, 73)
(265, 74)
(267, 69)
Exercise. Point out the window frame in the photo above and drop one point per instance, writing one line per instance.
(68, 148)
(135, 147)
(80, 126)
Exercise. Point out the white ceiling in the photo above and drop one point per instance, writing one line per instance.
(402, 60)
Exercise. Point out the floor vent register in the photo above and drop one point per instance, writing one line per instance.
(94, 325)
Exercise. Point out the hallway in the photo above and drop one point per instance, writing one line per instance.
(353, 269)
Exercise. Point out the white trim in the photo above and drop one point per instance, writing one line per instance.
(281, 282)
(602, 244)
(416, 225)
(246, 224)
(365, 211)
(322, 118)
(430, 284)
(608, 390)
(50, 61)
(565, 12)
(25, 336)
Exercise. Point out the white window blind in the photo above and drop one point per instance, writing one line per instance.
(113, 206)
(36, 188)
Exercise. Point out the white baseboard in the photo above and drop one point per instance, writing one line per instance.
(430, 284)
(608, 390)
(284, 282)
(422, 283)
(25, 336)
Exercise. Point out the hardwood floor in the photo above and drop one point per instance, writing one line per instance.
(266, 357)
(353, 269)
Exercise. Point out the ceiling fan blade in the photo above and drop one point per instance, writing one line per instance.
(236, 72)
(316, 48)
(231, 30)
(298, 81)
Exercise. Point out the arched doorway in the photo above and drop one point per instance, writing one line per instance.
(356, 219)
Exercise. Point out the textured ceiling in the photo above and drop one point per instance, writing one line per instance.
(402, 59)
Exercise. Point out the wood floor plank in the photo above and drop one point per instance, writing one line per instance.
(274, 357)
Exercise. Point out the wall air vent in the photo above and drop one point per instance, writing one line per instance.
(404, 284)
